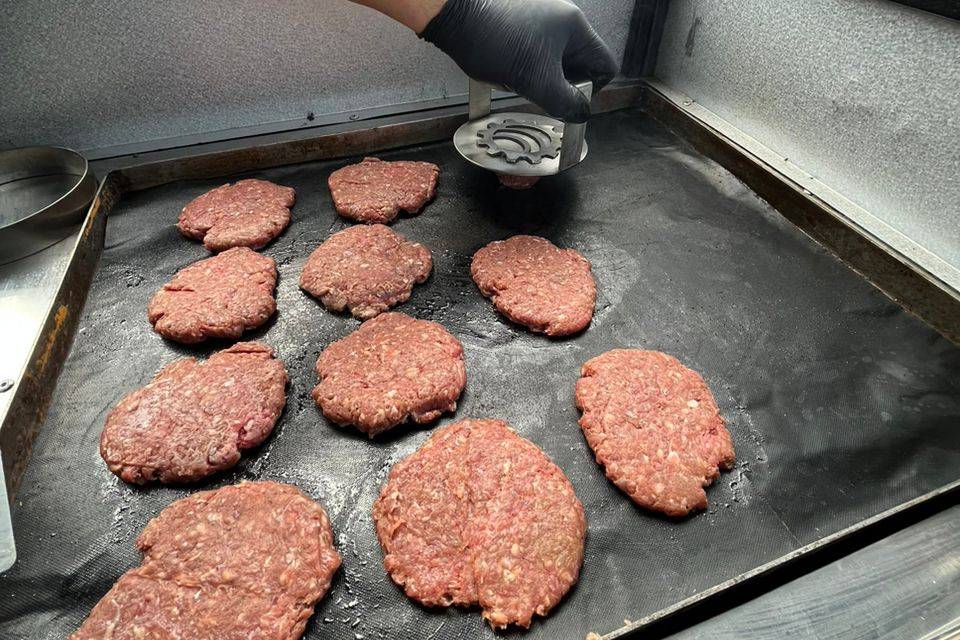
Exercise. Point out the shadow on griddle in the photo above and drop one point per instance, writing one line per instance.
(546, 209)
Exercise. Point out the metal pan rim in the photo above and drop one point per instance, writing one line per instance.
(68, 154)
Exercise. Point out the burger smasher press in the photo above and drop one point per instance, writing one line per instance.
(519, 144)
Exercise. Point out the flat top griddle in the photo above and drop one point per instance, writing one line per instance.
(841, 405)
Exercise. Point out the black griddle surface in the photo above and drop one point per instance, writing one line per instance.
(841, 405)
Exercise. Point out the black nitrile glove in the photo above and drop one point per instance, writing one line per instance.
(533, 47)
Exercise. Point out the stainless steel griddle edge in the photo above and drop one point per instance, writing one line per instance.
(914, 278)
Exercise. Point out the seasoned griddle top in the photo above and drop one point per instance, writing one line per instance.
(840, 404)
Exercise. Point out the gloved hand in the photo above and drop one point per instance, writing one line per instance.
(532, 47)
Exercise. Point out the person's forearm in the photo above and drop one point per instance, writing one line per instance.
(412, 13)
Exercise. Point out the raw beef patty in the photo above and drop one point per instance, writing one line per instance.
(365, 269)
(245, 561)
(655, 427)
(479, 515)
(392, 369)
(520, 183)
(194, 418)
(533, 283)
(375, 191)
(220, 297)
(249, 213)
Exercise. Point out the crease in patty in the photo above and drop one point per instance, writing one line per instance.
(507, 526)
(248, 213)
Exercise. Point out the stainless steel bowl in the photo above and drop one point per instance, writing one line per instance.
(44, 194)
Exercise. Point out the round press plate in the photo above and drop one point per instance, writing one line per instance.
(465, 140)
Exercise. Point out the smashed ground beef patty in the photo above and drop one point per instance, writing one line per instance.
(534, 283)
(479, 515)
(195, 418)
(219, 297)
(374, 190)
(139, 608)
(655, 427)
(390, 370)
(249, 213)
(245, 561)
(366, 269)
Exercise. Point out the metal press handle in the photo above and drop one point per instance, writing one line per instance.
(479, 100)
(571, 145)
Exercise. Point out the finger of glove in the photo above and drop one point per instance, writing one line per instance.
(554, 94)
(587, 56)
